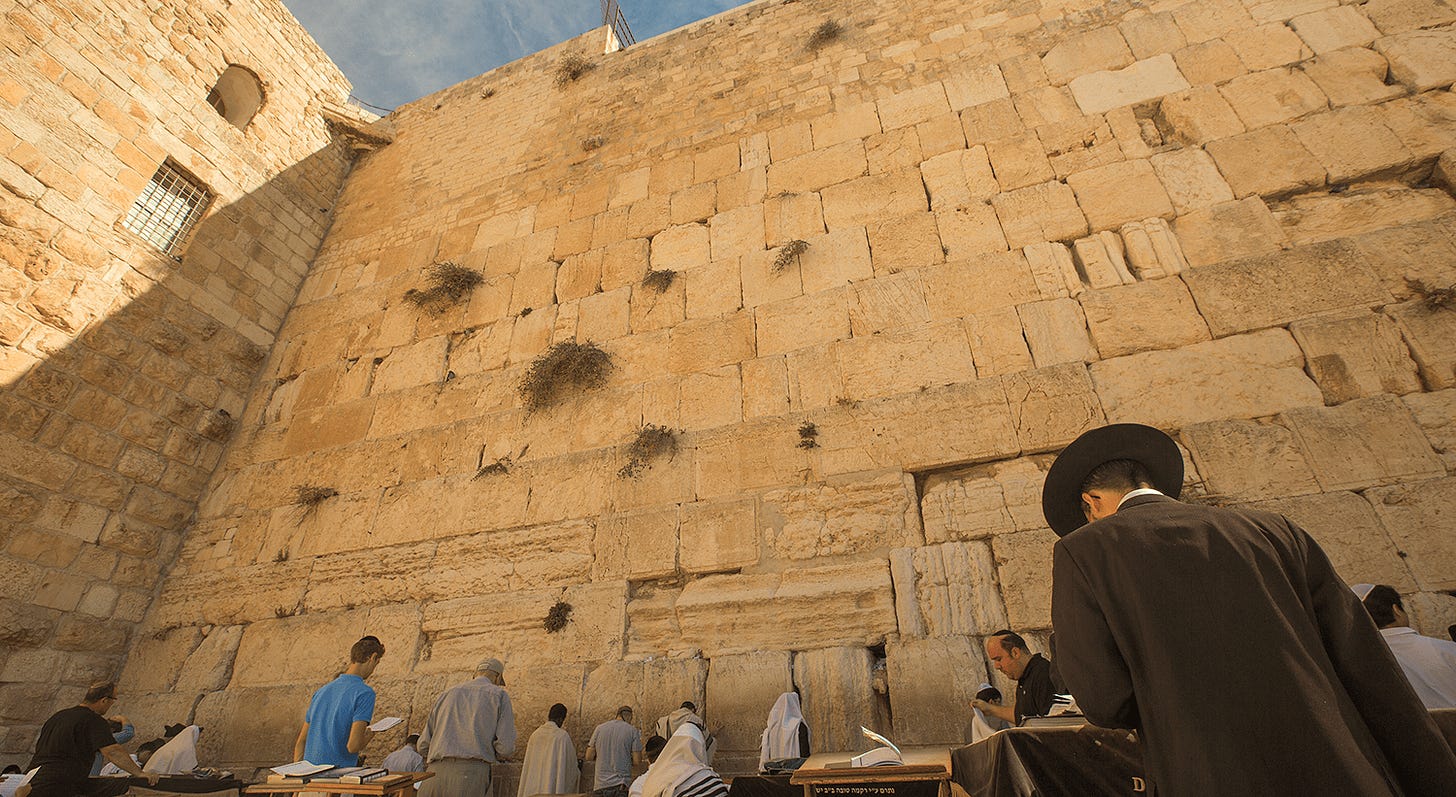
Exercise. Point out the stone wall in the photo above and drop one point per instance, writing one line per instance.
(1021, 221)
(122, 369)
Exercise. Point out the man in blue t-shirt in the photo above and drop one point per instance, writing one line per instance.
(336, 727)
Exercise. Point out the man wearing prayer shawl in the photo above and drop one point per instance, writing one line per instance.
(550, 766)
(786, 735)
(682, 770)
(1428, 663)
(1224, 637)
(178, 756)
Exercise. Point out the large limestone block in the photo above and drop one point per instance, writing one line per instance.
(1357, 356)
(913, 106)
(938, 353)
(1268, 46)
(210, 667)
(978, 284)
(1352, 76)
(1018, 161)
(1436, 414)
(719, 535)
(1199, 115)
(1431, 335)
(747, 457)
(835, 259)
(378, 575)
(477, 504)
(1045, 212)
(905, 242)
(878, 196)
(636, 545)
(1268, 162)
(933, 682)
(1353, 143)
(1211, 20)
(1348, 529)
(1095, 50)
(532, 694)
(841, 691)
(1245, 376)
(711, 342)
(1399, 16)
(312, 648)
(741, 690)
(1054, 270)
(155, 659)
(1249, 460)
(978, 85)
(1023, 566)
(970, 230)
(973, 419)
(1323, 217)
(1150, 34)
(843, 516)
(984, 500)
(230, 596)
(652, 621)
(1425, 251)
(653, 688)
(1332, 28)
(787, 217)
(1228, 231)
(959, 177)
(1117, 193)
(1364, 442)
(997, 343)
(844, 125)
(1191, 179)
(1056, 332)
(1418, 517)
(1421, 60)
(946, 590)
(802, 321)
(254, 727)
(1273, 290)
(465, 630)
(1149, 79)
(817, 169)
(1051, 405)
(888, 304)
(1143, 316)
(812, 607)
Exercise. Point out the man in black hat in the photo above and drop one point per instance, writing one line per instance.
(1224, 637)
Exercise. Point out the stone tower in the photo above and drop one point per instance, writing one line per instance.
(870, 265)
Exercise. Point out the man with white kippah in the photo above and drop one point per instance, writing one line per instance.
(1428, 663)
(471, 727)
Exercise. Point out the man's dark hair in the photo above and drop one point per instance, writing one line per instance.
(364, 648)
(11, 769)
(151, 746)
(688, 704)
(1118, 474)
(1010, 640)
(1381, 603)
(100, 691)
(557, 714)
(653, 747)
(412, 739)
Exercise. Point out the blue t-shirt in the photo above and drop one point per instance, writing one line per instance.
(334, 709)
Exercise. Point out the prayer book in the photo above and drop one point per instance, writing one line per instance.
(352, 775)
(887, 755)
(300, 769)
(385, 723)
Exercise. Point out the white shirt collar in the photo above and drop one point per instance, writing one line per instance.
(1135, 493)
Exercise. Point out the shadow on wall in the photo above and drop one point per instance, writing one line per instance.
(107, 441)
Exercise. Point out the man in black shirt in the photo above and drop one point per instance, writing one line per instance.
(1031, 672)
(69, 741)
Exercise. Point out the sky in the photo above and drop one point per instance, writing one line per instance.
(396, 51)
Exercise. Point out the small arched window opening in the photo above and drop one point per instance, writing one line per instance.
(237, 96)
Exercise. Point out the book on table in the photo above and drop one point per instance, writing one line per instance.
(298, 770)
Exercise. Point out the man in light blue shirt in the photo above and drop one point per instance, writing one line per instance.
(336, 727)
(471, 727)
(615, 746)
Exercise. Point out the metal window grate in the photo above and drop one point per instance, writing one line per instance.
(168, 208)
(613, 18)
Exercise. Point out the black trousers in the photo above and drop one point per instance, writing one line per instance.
(42, 786)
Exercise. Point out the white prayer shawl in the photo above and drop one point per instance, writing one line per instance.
(550, 765)
(780, 738)
(668, 725)
(983, 726)
(683, 758)
(177, 756)
(1428, 663)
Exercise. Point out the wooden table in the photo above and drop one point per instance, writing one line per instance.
(925, 773)
(395, 784)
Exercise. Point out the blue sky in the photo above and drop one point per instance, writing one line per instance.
(396, 51)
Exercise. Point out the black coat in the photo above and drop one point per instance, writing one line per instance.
(1228, 642)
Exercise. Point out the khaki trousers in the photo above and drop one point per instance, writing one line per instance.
(457, 777)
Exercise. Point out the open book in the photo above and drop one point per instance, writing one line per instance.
(301, 769)
(385, 723)
(886, 755)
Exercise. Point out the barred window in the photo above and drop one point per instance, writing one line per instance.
(168, 208)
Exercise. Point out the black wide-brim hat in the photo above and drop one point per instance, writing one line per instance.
(1061, 494)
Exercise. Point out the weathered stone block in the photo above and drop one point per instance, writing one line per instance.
(1275, 289)
(250, 727)
(863, 200)
(636, 545)
(844, 125)
(1351, 76)
(1120, 192)
(1353, 143)
(959, 177)
(1209, 63)
(1021, 566)
(1045, 212)
(1436, 414)
(210, 666)
(792, 216)
(976, 86)
(891, 303)
(1347, 528)
(1246, 376)
(1268, 46)
(156, 659)
(1145, 80)
(1056, 332)
(1018, 161)
(841, 692)
(1097, 49)
(464, 630)
(1423, 251)
(1225, 451)
(1143, 316)
(1150, 34)
(819, 168)
(899, 362)
(969, 230)
(1191, 179)
(1099, 259)
(1053, 270)
(312, 648)
(1332, 28)
(719, 535)
(845, 515)
(1229, 231)
(709, 343)
(1364, 442)
(741, 691)
(802, 321)
(1421, 59)
(839, 604)
(913, 106)
(933, 681)
(978, 285)
(1356, 357)
(681, 247)
(1399, 16)
(1417, 516)
(905, 242)
(984, 500)
(1323, 217)
(946, 590)
(1199, 115)
(997, 343)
